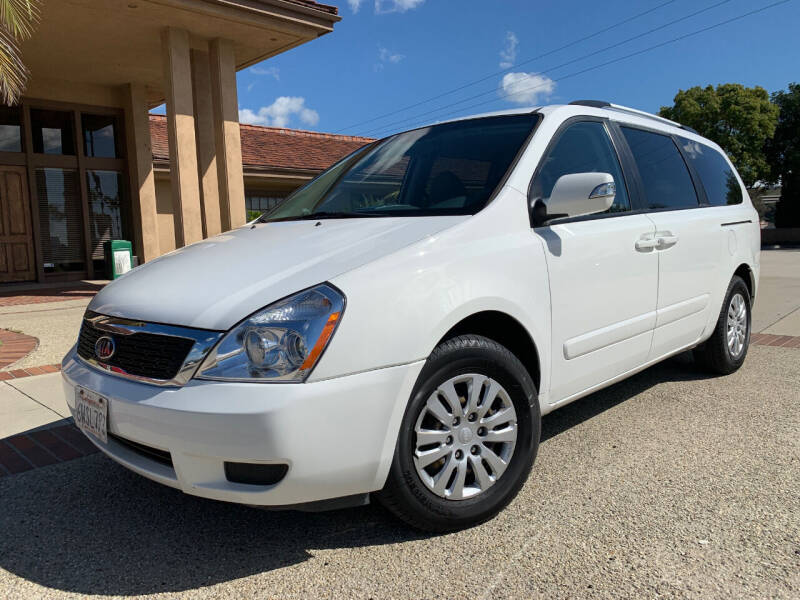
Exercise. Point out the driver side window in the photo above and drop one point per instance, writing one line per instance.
(583, 147)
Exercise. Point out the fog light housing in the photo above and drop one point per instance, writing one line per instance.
(255, 474)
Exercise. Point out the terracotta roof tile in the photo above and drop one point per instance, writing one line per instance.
(274, 147)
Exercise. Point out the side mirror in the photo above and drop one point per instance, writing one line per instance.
(577, 194)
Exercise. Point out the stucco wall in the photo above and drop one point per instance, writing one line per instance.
(166, 219)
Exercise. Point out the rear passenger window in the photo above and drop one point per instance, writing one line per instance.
(582, 148)
(666, 180)
(715, 173)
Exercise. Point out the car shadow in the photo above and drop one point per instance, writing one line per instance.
(678, 368)
(90, 526)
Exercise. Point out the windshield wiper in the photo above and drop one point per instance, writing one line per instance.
(328, 215)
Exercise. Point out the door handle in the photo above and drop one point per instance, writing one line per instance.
(647, 241)
(666, 239)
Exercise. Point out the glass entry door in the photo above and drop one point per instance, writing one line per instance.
(60, 220)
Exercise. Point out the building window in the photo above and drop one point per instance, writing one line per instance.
(99, 136)
(52, 132)
(105, 190)
(10, 129)
(260, 202)
(60, 219)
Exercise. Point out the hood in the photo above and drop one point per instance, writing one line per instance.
(215, 283)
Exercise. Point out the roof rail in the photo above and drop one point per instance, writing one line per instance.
(592, 103)
(633, 111)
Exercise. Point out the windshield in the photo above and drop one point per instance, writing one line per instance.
(447, 169)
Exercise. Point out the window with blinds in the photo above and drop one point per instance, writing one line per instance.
(105, 199)
(60, 219)
(259, 202)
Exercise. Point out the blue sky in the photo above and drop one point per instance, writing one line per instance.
(388, 54)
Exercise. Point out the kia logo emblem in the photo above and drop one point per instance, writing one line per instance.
(104, 348)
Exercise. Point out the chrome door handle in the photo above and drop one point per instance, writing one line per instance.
(647, 241)
(666, 239)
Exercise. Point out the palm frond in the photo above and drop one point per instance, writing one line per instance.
(19, 17)
(13, 73)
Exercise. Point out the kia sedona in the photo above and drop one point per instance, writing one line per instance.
(397, 328)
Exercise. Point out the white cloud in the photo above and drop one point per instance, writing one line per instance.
(384, 55)
(280, 113)
(273, 72)
(509, 54)
(387, 56)
(526, 88)
(390, 6)
(354, 5)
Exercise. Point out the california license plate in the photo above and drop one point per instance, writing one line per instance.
(91, 413)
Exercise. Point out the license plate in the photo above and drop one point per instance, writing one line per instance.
(91, 413)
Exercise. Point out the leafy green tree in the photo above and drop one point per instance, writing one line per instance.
(783, 153)
(738, 118)
(18, 18)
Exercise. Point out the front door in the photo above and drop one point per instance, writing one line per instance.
(16, 236)
(603, 274)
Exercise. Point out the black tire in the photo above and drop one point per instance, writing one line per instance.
(714, 355)
(406, 495)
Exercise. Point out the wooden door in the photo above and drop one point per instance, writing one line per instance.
(16, 236)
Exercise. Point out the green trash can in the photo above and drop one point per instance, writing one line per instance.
(119, 257)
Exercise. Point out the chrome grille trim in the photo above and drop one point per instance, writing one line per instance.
(203, 341)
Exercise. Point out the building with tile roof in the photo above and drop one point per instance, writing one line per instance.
(82, 162)
(275, 162)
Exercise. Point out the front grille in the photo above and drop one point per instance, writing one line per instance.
(160, 456)
(141, 354)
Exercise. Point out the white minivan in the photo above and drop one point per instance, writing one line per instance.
(398, 327)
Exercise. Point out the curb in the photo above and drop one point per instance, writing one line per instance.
(29, 372)
(43, 447)
(778, 341)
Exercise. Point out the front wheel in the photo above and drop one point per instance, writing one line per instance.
(724, 352)
(468, 438)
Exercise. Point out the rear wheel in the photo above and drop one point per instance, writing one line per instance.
(724, 352)
(468, 438)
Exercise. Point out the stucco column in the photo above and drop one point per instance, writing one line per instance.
(226, 120)
(140, 173)
(206, 144)
(182, 145)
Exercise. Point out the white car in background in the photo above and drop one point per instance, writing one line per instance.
(399, 326)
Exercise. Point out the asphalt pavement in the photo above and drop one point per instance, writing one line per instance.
(670, 484)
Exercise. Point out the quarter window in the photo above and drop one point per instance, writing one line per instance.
(717, 176)
(666, 180)
(581, 148)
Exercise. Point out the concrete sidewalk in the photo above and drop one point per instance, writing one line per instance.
(54, 324)
(31, 402)
(777, 308)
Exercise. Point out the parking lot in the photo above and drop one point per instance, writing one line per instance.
(669, 484)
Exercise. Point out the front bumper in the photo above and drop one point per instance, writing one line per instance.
(337, 436)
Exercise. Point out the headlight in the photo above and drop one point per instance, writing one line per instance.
(281, 342)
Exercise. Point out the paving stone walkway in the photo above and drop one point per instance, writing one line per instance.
(14, 346)
(40, 296)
